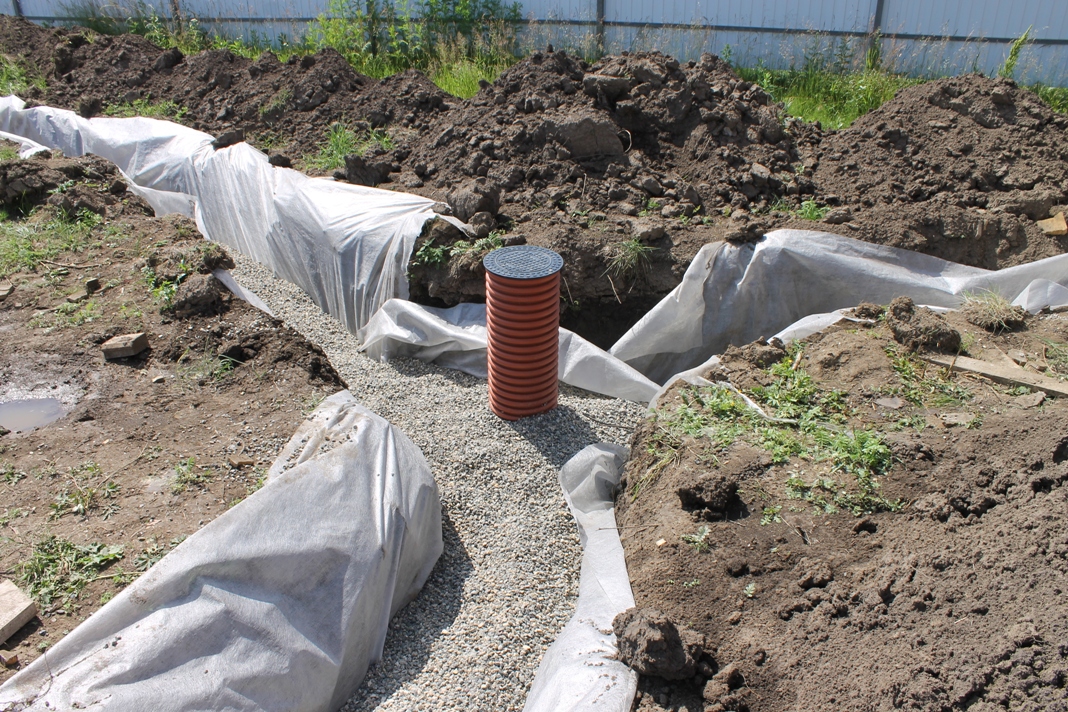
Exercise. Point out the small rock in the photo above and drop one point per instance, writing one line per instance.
(951, 419)
(651, 186)
(760, 173)
(838, 216)
(482, 223)
(894, 403)
(646, 231)
(159, 379)
(228, 139)
(3, 431)
(9, 659)
(168, 59)
(6, 289)
(1031, 400)
(611, 87)
(281, 161)
(92, 285)
(476, 197)
(920, 328)
(1018, 356)
(661, 542)
(124, 346)
(1055, 225)
(241, 461)
(441, 208)
(587, 136)
(652, 644)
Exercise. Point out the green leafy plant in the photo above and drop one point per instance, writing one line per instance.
(58, 570)
(698, 541)
(187, 475)
(770, 515)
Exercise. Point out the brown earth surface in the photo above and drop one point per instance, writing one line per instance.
(148, 448)
(956, 601)
(635, 150)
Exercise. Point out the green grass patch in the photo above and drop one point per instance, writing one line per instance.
(632, 257)
(58, 570)
(164, 109)
(341, 141)
(24, 245)
(187, 475)
(923, 384)
(802, 422)
(818, 92)
(16, 80)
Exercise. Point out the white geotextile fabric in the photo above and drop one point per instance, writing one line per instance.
(734, 294)
(456, 338)
(281, 603)
(347, 246)
(580, 670)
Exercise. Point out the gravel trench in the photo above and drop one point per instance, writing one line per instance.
(508, 579)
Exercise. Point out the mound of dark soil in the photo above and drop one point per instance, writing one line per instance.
(943, 590)
(960, 168)
(285, 108)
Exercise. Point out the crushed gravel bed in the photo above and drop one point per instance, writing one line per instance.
(508, 579)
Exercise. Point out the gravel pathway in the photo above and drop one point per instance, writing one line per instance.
(508, 580)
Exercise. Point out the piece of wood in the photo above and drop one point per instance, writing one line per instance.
(16, 610)
(124, 346)
(1013, 376)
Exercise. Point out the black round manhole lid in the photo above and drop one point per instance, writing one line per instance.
(523, 262)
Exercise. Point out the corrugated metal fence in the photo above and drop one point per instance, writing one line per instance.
(920, 36)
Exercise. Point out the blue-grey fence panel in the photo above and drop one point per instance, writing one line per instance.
(821, 15)
(261, 11)
(560, 10)
(56, 10)
(1048, 19)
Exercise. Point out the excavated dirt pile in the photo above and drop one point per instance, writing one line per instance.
(282, 107)
(894, 540)
(626, 167)
(961, 168)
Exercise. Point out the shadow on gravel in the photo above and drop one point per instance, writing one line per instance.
(418, 624)
(558, 434)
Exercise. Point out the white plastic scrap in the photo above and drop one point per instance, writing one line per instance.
(281, 603)
(580, 670)
(734, 294)
(456, 338)
(346, 245)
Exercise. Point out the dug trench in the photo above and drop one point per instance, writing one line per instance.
(625, 167)
(885, 534)
(147, 448)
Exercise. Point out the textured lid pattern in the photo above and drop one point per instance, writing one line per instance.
(523, 262)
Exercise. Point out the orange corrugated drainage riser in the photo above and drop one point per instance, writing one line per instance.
(522, 329)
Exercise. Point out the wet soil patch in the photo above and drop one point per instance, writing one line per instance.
(901, 545)
(151, 447)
